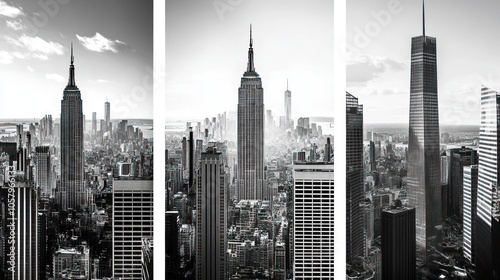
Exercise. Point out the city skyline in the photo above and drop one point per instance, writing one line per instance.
(378, 61)
(294, 42)
(113, 62)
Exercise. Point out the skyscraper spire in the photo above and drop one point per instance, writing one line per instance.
(71, 81)
(251, 42)
(423, 17)
(287, 84)
(250, 66)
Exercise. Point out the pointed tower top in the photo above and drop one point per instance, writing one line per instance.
(287, 84)
(250, 65)
(423, 16)
(251, 41)
(71, 80)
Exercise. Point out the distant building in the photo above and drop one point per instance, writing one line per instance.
(313, 216)
(71, 263)
(288, 107)
(43, 170)
(398, 243)
(459, 158)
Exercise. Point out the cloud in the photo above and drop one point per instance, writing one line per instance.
(15, 24)
(100, 81)
(9, 11)
(362, 68)
(5, 57)
(99, 43)
(34, 47)
(30, 69)
(39, 45)
(386, 92)
(55, 77)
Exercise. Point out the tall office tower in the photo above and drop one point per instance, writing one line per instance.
(191, 159)
(211, 209)
(107, 116)
(354, 179)
(328, 150)
(132, 222)
(21, 219)
(313, 217)
(373, 163)
(94, 123)
(43, 170)
(288, 107)
(72, 157)
(445, 170)
(269, 119)
(470, 212)
(398, 243)
(459, 158)
(424, 170)
(488, 216)
(172, 227)
(250, 133)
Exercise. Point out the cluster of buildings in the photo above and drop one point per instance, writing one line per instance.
(247, 199)
(78, 201)
(423, 209)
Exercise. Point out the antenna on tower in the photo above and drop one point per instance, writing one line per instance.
(286, 83)
(423, 16)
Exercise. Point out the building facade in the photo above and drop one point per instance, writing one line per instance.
(424, 163)
(132, 222)
(488, 206)
(354, 180)
(313, 215)
(470, 212)
(72, 157)
(398, 243)
(250, 133)
(211, 217)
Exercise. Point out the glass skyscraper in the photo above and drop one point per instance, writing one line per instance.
(488, 208)
(354, 179)
(424, 162)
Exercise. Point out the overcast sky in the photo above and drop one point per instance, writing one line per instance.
(378, 70)
(207, 50)
(113, 50)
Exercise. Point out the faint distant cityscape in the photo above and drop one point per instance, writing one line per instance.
(423, 198)
(249, 195)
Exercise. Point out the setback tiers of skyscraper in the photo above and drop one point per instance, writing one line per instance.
(251, 134)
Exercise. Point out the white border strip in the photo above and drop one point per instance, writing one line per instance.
(159, 139)
(339, 76)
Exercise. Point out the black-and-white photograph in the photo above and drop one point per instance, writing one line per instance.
(76, 139)
(422, 138)
(249, 140)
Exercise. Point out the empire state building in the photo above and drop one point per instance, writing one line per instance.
(70, 194)
(251, 133)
